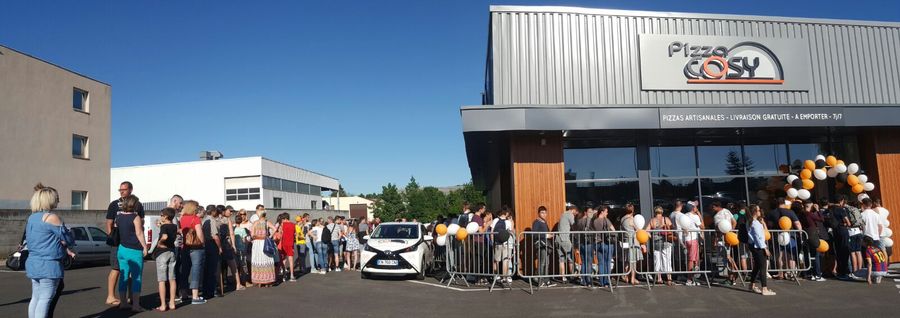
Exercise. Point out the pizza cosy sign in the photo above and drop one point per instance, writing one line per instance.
(690, 62)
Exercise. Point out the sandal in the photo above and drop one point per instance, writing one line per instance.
(113, 303)
(160, 309)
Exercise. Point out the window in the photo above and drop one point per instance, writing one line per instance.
(315, 190)
(276, 203)
(312, 204)
(600, 163)
(231, 191)
(242, 194)
(288, 186)
(614, 193)
(79, 200)
(79, 100)
(673, 161)
(720, 160)
(79, 147)
(271, 183)
(97, 234)
(765, 159)
(80, 234)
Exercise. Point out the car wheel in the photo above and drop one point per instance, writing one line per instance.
(421, 274)
(68, 262)
(364, 275)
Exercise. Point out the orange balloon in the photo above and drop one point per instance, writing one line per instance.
(831, 161)
(852, 180)
(732, 239)
(805, 174)
(808, 184)
(768, 235)
(840, 163)
(440, 229)
(784, 223)
(809, 165)
(642, 236)
(462, 234)
(823, 246)
(858, 188)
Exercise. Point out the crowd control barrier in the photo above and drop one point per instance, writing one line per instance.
(674, 255)
(480, 258)
(592, 258)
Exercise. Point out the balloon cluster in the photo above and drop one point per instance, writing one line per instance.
(886, 230)
(454, 230)
(798, 185)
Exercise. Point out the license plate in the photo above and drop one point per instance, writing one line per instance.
(388, 262)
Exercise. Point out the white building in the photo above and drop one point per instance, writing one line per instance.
(240, 182)
(358, 206)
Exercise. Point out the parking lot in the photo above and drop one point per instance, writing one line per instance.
(345, 294)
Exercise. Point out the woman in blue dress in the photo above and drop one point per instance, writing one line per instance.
(48, 241)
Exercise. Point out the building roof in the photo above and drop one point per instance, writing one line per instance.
(53, 64)
(220, 160)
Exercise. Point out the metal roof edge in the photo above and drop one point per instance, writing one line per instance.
(298, 168)
(56, 65)
(606, 106)
(709, 16)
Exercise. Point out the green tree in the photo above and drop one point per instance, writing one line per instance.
(390, 205)
(735, 165)
(427, 204)
(340, 192)
(467, 193)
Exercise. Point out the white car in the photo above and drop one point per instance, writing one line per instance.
(151, 232)
(397, 249)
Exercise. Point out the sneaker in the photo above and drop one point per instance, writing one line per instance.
(768, 293)
(198, 301)
(550, 285)
(852, 276)
(292, 279)
(321, 271)
(878, 280)
(337, 270)
(820, 279)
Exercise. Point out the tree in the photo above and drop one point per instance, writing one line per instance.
(735, 165)
(340, 192)
(427, 204)
(390, 206)
(467, 193)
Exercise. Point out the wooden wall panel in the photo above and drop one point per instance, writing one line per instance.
(887, 155)
(537, 177)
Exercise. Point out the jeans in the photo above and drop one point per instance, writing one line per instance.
(322, 255)
(604, 257)
(44, 294)
(191, 264)
(587, 259)
(299, 254)
(543, 262)
(842, 254)
(131, 265)
(310, 255)
(816, 260)
(211, 270)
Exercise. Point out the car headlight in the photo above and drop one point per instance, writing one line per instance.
(408, 249)
(370, 249)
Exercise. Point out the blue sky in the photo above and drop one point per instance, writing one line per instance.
(368, 92)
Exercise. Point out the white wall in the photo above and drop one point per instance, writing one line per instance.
(203, 181)
(343, 204)
(244, 182)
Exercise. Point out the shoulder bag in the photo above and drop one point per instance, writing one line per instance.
(269, 244)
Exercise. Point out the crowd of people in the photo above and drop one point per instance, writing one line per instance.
(200, 252)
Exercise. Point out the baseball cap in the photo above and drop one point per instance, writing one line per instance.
(688, 207)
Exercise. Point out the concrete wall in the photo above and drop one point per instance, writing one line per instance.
(12, 225)
(37, 122)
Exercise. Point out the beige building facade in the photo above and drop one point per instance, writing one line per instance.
(54, 129)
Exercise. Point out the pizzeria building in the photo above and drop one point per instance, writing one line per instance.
(613, 107)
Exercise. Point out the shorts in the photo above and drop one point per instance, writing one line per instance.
(502, 252)
(336, 246)
(693, 250)
(564, 250)
(635, 255)
(286, 249)
(165, 266)
(114, 258)
(856, 243)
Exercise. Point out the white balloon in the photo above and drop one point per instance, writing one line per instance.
(441, 240)
(472, 228)
(639, 221)
(887, 241)
(791, 178)
(861, 196)
(886, 223)
(831, 172)
(863, 178)
(852, 168)
(820, 174)
(886, 232)
(803, 194)
(724, 226)
(792, 193)
(452, 229)
(868, 186)
(685, 222)
(840, 168)
(820, 157)
(883, 213)
(784, 238)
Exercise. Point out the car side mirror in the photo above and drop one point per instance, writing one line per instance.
(366, 237)
(428, 238)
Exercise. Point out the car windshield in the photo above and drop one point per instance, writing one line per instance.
(396, 231)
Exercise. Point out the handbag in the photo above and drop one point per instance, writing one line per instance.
(192, 239)
(113, 239)
(268, 244)
(16, 260)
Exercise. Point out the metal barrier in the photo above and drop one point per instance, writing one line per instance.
(675, 255)
(479, 258)
(591, 257)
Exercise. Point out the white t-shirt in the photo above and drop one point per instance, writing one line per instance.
(694, 225)
(675, 215)
(511, 241)
(871, 220)
(724, 214)
(316, 231)
(254, 217)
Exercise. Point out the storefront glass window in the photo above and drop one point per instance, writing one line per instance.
(666, 191)
(803, 152)
(600, 163)
(720, 160)
(725, 190)
(614, 193)
(765, 159)
(673, 161)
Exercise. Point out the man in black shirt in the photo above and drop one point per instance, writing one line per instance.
(125, 189)
(841, 237)
(541, 245)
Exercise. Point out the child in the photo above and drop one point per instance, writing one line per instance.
(875, 260)
(165, 258)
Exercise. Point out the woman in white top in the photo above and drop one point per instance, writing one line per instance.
(315, 232)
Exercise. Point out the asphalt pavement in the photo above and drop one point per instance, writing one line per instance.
(344, 294)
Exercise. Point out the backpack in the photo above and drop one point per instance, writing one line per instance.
(502, 232)
(326, 234)
(462, 220)
(743, 233)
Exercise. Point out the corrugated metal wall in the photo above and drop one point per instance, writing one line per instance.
(592, 59)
